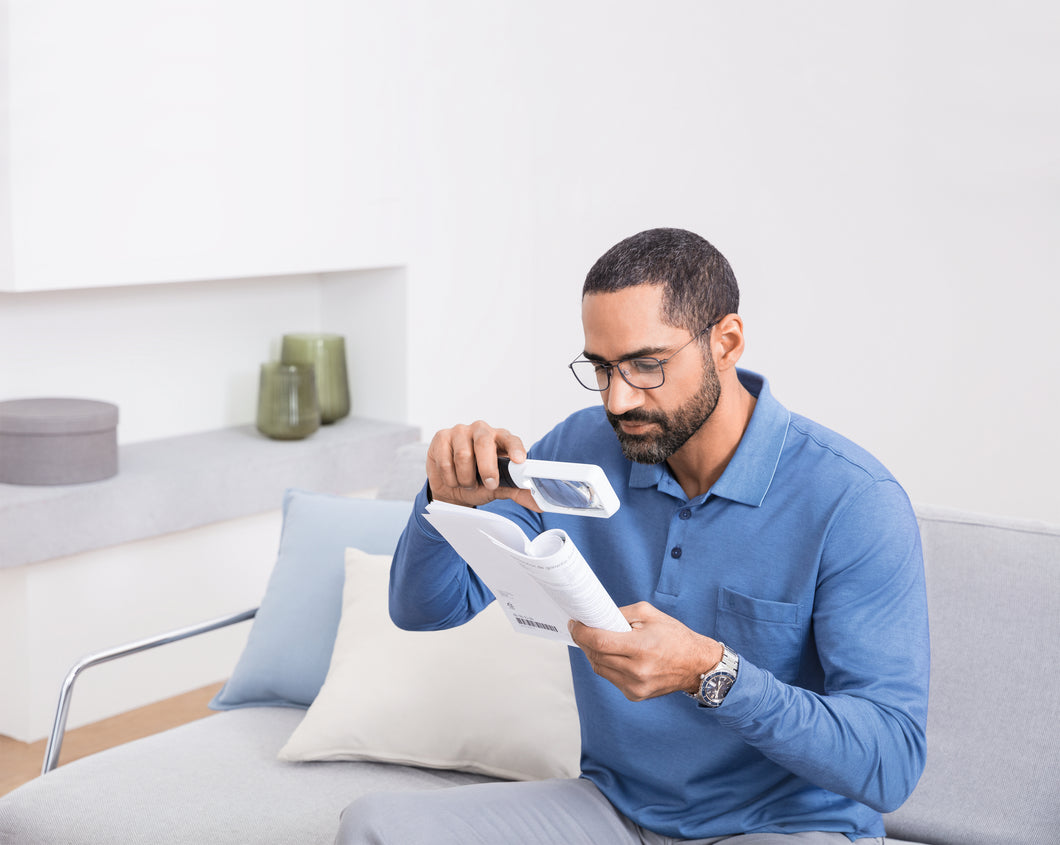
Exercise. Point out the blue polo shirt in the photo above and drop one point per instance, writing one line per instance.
(804, 558)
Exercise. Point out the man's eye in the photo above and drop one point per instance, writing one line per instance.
(644, 366)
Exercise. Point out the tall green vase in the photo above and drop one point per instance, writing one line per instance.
(327, 354)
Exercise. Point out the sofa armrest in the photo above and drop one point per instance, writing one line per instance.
(55, 738)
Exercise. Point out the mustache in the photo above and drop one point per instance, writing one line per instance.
(637, 415)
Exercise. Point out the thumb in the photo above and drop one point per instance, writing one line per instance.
(519, 495)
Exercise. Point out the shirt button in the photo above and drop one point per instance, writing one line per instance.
(675, 552)
(685, 514)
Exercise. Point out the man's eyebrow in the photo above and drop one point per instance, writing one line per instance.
(644, 352)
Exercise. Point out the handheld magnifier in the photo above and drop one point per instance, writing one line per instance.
(561, 487)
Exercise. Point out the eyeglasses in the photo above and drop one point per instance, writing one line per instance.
(643, 373)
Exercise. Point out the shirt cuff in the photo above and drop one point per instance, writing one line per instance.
(419, 514)
(747, 694)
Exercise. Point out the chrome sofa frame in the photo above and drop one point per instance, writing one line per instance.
(55, 739)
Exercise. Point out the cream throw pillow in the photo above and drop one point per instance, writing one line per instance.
(479, 697)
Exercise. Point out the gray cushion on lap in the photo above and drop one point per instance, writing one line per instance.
(177, 787)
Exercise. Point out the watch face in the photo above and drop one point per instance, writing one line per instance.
(716, 686)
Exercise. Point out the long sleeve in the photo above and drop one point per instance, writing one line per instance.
(431, 587)
(863, 736)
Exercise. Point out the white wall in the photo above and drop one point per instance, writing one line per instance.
(884, 179)
(200, 139)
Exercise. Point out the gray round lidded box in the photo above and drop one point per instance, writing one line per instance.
(57, 441)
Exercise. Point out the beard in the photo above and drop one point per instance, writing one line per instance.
(675, 428)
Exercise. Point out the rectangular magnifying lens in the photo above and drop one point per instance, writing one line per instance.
(562, 487)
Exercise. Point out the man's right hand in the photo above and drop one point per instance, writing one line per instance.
(459, 456)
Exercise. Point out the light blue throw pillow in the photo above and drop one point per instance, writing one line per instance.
(289, 647)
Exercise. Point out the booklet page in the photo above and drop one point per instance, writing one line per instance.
(541, 584)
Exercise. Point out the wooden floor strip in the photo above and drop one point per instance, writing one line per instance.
(21, 761)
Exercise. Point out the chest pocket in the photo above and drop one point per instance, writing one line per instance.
(771, 634)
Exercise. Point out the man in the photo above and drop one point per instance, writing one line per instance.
(773, 688)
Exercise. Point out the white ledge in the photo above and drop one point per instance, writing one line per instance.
(184, 482)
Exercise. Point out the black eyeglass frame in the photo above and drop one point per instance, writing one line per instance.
(609, 365)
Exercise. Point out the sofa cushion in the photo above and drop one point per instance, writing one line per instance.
(991, 774)
(289, 646)
(216, 781)
(478, 697)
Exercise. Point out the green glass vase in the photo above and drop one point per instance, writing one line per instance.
(327, 354)
(287, 401)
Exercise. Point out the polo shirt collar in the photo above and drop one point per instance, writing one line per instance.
(750, 472)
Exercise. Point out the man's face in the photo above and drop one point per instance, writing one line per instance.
(651, 425)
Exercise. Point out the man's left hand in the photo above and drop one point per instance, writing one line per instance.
(659, 656)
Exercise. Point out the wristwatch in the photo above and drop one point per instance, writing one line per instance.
(715, 684)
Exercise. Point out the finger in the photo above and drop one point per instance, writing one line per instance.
(523, 497)
(441, 467)
(487, 443)
(518, 495)
(586, 638)
(596, 642)
(511, 445)
(464, 457)
(576, 630)
(614, 668)
(639, 613)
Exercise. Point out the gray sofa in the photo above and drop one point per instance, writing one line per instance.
(993, 769)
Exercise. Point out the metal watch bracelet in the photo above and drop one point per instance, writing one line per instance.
(715, 684)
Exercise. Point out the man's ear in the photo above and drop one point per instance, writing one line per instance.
(726, 341)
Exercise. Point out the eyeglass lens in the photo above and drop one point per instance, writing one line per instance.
(643, 373)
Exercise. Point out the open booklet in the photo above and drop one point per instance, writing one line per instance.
(541, 584)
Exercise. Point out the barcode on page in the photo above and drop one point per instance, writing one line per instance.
(530, 623)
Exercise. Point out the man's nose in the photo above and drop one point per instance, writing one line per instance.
(620, 396)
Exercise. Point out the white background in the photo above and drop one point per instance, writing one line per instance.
(884, 179)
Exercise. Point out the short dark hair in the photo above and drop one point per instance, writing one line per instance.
(700, 287)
